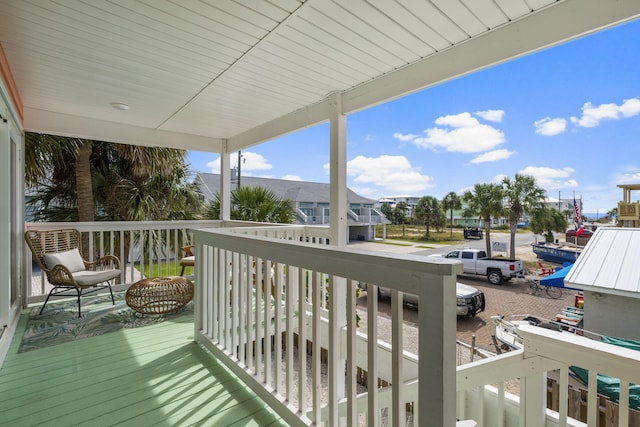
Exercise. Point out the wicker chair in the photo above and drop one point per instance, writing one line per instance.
(59, 254)
(189, 259)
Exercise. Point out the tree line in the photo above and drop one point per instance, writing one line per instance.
(510, 198)
(73, 179)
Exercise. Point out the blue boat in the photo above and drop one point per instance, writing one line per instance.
(554, 252)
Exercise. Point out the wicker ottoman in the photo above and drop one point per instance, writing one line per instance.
(159, 295)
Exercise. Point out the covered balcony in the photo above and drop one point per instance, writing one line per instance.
(263, 290)
(275, 337)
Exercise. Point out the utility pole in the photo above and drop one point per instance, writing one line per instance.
(239, 163)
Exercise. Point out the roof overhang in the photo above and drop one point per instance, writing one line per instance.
(210, 76)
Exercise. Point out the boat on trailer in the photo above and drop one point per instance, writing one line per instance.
(557, 252)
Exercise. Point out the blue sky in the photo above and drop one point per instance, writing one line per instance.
(569, 116)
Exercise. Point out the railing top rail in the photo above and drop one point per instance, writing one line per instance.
(407, 273)
(123, 225)
(577, 350)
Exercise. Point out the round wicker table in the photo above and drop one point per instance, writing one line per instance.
(159, 295)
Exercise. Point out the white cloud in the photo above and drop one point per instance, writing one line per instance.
(292, 178)
(493, 156)
(551, 179)
(461, 133)
(405, 137)
(254, 161)
(592, 116)
(365, 191)
(628, 177)
(214, 166)
(491, 115)
(250, 162)
(389, 173)
(550, 127)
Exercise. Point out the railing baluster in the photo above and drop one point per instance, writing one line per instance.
(373, 414)
(289, 290)
(316, 348)
(396, 357)
(268, 319)
(302, 340)
(563, 406)
(592, 399)
(258, 288)
(352, 409)
(278, 315)
(245, 312)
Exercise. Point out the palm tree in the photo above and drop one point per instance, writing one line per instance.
(400, 214)
(522, 195)
(450, 202)
(427, 211)
(484, 200)
(255, 204)
(82, 180)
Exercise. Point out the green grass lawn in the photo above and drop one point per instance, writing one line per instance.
(152, 270)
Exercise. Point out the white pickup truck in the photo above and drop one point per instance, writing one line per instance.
(497, 270)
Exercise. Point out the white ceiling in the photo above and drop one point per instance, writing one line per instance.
(195, 73)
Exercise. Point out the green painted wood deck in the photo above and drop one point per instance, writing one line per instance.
(150, 376)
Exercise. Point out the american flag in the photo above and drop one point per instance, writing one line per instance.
(576, 219)
(576, 213)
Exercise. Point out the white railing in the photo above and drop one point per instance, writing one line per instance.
(278, 336)
(482, 386)
(144, 248)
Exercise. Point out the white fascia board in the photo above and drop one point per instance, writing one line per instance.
(52, 123)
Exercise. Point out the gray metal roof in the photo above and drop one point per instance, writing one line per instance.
(609, 263)
(296, 191)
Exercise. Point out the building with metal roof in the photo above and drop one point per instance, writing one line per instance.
(311, 202)
(608, 271)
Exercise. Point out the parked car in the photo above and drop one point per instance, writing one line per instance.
(472, 232)
(586, 233)
(475, 261)
(469, 300)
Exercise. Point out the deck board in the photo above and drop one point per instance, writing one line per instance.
(155, 375)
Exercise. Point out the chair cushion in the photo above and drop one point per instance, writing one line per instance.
(70, 259)
(188, 260)
(91, 278)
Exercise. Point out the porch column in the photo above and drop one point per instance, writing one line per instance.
(337, 172)
(337, 237)
(225, 182)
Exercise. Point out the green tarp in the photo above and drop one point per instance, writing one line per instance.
(609, 386)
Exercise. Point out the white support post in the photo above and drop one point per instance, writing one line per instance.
(337, 233)
(437, 351)
(225, 183)
(533, 395)
(338, 172)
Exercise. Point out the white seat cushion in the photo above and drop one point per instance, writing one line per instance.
(88, 278)
(70, 259)
(188, 260)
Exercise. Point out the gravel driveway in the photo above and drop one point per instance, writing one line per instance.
(511, 298)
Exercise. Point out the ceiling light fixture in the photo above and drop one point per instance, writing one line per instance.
(120, 106)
